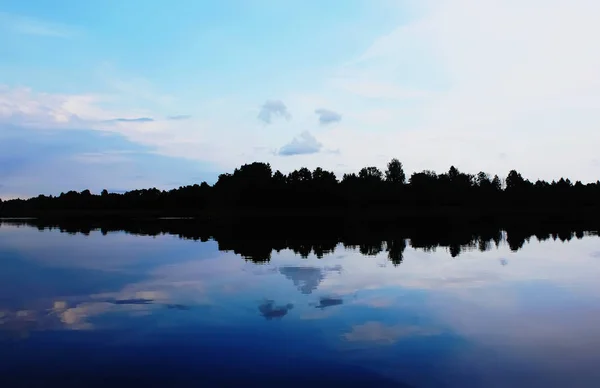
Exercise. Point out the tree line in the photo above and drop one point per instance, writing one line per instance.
(255, 187)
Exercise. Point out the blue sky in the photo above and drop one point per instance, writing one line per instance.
(151, 93)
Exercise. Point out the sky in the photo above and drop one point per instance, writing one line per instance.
(142, 93)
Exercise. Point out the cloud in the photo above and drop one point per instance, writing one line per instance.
(304, 144)
(23, 106)
(29, 109)
(379, 333)
(133, 120)
(270, 311)
(32, 26)
(273, 108)
(179, 117)
(327, 116)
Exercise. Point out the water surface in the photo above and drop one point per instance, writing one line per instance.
(78, 309)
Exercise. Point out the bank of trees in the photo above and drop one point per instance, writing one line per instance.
(256, 186)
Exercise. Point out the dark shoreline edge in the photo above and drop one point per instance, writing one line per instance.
(384, 213)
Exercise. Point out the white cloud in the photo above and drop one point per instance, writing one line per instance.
(192, 138)
(23, 106)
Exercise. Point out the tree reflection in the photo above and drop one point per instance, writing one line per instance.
(256, 242)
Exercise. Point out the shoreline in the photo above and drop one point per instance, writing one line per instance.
(372, 212)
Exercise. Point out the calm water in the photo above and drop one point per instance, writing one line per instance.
(79, 310)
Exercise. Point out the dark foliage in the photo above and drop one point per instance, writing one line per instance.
(255, 188)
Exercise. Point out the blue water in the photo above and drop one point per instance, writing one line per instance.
(94, 310)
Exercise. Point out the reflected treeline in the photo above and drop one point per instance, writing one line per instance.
(255, 188)
(256, 240)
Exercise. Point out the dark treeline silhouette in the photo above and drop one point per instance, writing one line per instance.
(257, 241)
(255, 189)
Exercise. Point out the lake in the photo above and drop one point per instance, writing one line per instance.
(89, 307)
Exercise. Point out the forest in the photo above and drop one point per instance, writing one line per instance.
(254, 189)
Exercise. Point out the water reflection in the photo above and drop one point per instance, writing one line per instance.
(377, 332)
(307, 279)
(269, 310)
(469, 307)
(329, 302)
(256, 240)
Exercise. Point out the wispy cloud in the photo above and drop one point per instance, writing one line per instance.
(273, 108)
(32, 26)
(132, 120)
(179, 117)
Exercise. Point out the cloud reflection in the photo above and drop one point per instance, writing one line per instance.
(269, 310)
(308, 279)
(377, 332)
(329, 302)
(79, 312)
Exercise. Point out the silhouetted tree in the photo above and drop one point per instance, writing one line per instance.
(496, 183)
(370, 175)
(395, 172)
(514, 181)
(255, 188)
(483, 180)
